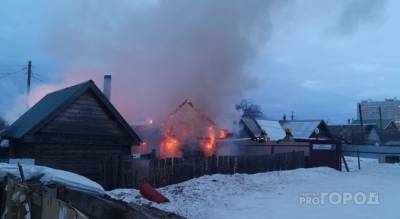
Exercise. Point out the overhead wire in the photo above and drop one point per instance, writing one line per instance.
(7, 74)
(38, 77)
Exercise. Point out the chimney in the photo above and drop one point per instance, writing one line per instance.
(107, 86)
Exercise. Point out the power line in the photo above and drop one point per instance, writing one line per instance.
(7, 74)
(38, 79)
(11, 65)
(13, 72)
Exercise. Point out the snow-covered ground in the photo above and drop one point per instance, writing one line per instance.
(48, 175)
(282, 194)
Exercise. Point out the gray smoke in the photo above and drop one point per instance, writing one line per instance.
(356, 13)
(163, 52)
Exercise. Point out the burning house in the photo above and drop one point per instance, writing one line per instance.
(185, 127)
(186, 131)
(75, 129)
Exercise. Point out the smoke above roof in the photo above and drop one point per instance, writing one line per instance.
(162, 52)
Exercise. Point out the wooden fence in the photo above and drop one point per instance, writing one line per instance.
(163, 172)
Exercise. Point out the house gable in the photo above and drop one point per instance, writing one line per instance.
(391, 127)
(323, 131)
(85, 116)
(84, 106)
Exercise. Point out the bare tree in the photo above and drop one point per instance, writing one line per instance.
(250, 109)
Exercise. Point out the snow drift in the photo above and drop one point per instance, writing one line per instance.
(48, 175)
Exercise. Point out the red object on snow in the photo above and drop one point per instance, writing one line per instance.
(150, 193)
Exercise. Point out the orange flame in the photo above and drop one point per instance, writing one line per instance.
(208, 144)
(223, 133)
(170, 146)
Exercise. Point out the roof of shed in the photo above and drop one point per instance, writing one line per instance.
(389, 136)
(273, 129)
(351, 133)
(385, 122)
(340, 129)
(252, 126)
(50, 105)
(301, 128)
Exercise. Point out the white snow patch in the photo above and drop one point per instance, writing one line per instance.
(48, 175)
(277, 194)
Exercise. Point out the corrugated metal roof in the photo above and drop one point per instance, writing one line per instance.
(301, 128)
(50, 105)
(273, 129)
(377, 122)
(352, 134)
(252, 126)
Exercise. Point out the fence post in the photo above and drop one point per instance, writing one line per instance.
(235, 165)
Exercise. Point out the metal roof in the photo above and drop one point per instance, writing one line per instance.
(352, 134)
(40, 111)
(252, 127)
(51, 104)
(301, 128)
(377, 122)
(273, 129)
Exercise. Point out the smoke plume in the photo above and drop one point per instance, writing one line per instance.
(163, 52)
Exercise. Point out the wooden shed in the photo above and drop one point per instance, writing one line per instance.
(75, 129)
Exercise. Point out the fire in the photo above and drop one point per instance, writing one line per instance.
(223, 133)
(188, 127)
(170, 146)
(208, 144)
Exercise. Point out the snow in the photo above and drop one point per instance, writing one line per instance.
(48, 175)
(273, 129)
(277, 194)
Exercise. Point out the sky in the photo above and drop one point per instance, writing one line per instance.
(316, 58)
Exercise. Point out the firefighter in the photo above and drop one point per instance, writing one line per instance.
(289, 135)
(263, 136)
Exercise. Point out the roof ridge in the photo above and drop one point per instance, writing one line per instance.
(71, 86)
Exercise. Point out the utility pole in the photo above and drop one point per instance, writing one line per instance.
(28, 88)
(380, 117)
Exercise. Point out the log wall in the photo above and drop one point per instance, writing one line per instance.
(83, 138)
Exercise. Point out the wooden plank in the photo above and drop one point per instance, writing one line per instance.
(115, 171)
(176, 170)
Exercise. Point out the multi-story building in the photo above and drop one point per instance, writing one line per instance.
(390, 110)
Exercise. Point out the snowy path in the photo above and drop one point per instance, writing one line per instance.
(277, 194)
